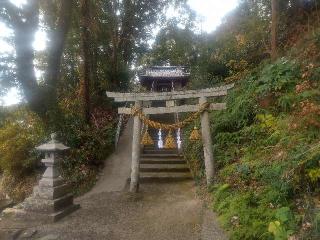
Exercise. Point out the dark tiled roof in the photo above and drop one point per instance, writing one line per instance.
(165, 72)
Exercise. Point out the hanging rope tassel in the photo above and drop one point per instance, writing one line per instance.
(195, 135)
(146, 139)
(170, 141)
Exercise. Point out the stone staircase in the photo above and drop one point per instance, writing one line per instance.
(162, 165)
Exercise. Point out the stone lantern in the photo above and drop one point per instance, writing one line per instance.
(51, 199)
(52, 149)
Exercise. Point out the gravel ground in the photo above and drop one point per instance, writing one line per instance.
(160, 211)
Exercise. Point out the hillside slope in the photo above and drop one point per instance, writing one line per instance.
(267, 149)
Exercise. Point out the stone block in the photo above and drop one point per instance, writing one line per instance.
(51, 182)
(47, 206)
(51, 192)
(34, 216)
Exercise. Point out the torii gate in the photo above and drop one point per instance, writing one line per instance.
(202, 95)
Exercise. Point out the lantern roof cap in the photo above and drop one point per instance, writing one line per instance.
(53, 145)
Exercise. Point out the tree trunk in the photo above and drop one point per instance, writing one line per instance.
(24, 36)
(86, 55)
(274, 29)
(25, 23)
(58, 36)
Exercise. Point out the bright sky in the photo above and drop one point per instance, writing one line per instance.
(210, 12)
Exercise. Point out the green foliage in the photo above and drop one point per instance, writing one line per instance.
(286, 102)
(284, 215)
(266, 143)
(279, 228)
(280, 76)
(241, 213)
(90, 144)
(174, 46)
(90, 148)
(267, 121)
(278, 231)
(242, 107)
(21, 132)
(264, 164)
(314, 175)
(194, 155)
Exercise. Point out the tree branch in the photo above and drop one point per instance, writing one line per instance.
(13, 13)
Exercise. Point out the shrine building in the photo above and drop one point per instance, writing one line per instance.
(165, 78)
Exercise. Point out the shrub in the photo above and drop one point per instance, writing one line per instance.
(21, 132)
(267, 154)
(91, 147)
(280, 76)
(90, 144)
(193, 152)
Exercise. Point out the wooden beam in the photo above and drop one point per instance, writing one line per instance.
(166, 96)
(176, 109)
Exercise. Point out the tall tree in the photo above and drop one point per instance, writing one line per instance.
(86, 55)
(128, 26)
(24, 21)
(274, 28)
(57, 39)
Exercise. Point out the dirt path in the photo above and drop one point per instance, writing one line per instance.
(160, 211)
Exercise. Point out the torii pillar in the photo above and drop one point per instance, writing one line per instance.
(134, 184)
(207, 143)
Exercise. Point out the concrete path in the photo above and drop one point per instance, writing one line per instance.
(160, 211)
(118, 166)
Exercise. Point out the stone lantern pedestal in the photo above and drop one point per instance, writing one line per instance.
(51, 199)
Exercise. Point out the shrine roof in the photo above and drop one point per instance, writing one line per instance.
(165, 72)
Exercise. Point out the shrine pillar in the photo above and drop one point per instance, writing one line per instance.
(207, 143)
(134, 184)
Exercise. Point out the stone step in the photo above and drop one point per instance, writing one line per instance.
(63, 202)
(47, 206)
(162, 161)
(64, 212)
(159, 155)
(164, 168)
(164, 176)
(154, 147)
(159, 151)
(35, 214)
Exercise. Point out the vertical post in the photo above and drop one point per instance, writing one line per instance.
(118, 131)
(207, 143)
(134, 184)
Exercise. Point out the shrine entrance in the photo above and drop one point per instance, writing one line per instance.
(149, 107)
